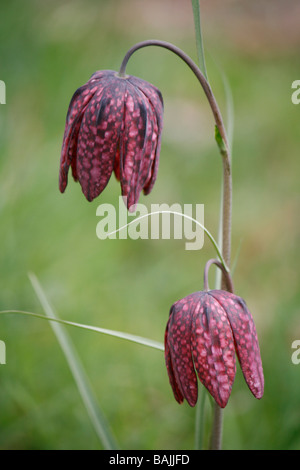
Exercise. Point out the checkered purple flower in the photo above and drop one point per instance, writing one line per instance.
(204, 331)
(113, 124)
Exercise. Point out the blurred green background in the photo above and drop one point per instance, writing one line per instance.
(47, 50)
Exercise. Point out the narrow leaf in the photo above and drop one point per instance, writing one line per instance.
(118, 334)
(220, 141)
(98, 420)
(199, 40)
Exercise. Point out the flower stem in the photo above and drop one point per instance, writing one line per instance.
(200, 421)
(226, 275)
(222, 142)
(227, 209)
(221, 135)
(216, 439)
(191, 64)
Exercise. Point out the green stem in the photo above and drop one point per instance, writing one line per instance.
(200, 421)
(217, 429)
(227, 211)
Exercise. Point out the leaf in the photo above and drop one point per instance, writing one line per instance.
(97, 418)
(199, 41)
(118, 334)
(220, 141)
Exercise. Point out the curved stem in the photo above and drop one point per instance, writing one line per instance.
(226, 275)
(222, 263)
(223, 145)
(191, 64)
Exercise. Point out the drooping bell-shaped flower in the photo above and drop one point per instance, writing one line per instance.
(204, 331)
(113, 124)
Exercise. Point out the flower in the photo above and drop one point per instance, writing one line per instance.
(204, 331)
(113, 123)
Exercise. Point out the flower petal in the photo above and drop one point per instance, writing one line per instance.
(153, 95)
(113, 124)
(98, 138)
(144, 160)
(137, 129)
(175, 387)
(213, 347)
(155, 98)
(76, 110)
(179, 343)
(245, 338)
(117, 165)
(151, 156)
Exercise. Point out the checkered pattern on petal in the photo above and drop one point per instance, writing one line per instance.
(113, 124)
(204, 331)
(69, 147)
(179, 352)
(156, 101)
(213, 348)
(175, 387)
(245, 337)
(99, 137)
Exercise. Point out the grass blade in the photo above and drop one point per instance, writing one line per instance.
(199, 41)
(99, 422)
(118, 334)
